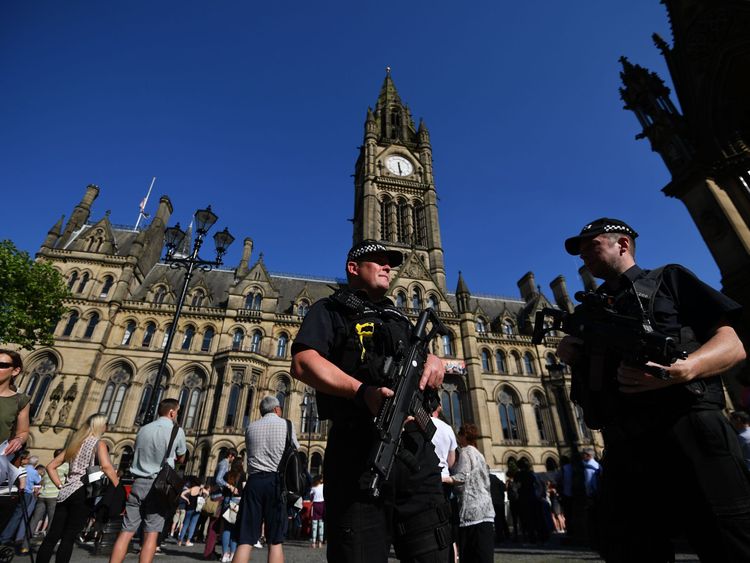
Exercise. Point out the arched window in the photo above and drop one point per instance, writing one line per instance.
(448, 350)
(234, 398)
(70, 325)
(107, 284)
(248, 407)
(507, 326)
(486, 362)
(385, 222)
(146, 396)
(237, 337)
(198, 297)
(148, 335)
(433, 302)
(281, 345)
(420, 224)
(208, 337)
(91, 326)
(187, 341)
(583, 430)
(550, 464)
(84, 281)
(310, 423)
(502, 366)
(256, 341)
(416, 299)
(126, 459)
(128, 334)
(253, 301)
(165, 338)
(114, 393)
(516, 362)
(39, 382)
(316, 463)
(508, 407)
(542, 417)
(282, 393)
(160, 294)
(400, 300)
(72, 280)
(203, 464)
(302, 307)
(450, 399)
(481, 326)
(191, 397)
(528, 364)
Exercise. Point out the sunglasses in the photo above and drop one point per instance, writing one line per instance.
(6, 365)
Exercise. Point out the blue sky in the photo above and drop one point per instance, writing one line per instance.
(258, 109)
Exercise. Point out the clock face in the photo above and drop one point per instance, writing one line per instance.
(399, 166)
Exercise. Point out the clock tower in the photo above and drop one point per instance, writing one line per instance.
(395, 201)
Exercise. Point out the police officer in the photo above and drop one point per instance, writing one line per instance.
(340, 350)
(671, 462)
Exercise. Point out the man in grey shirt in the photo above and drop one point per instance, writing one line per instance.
(150, 446)
(261, 500)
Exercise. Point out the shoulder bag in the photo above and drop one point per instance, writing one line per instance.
(168, 483)
(95, 481)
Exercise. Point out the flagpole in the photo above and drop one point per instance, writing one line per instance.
(141, 211)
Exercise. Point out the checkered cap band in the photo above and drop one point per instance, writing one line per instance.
(611, 228)
(368, 247)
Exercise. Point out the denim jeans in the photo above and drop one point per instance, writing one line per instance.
(318, 528)
(188, 526)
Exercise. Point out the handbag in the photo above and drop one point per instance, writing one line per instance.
(168, 483)
(95, 481)
(230, 514)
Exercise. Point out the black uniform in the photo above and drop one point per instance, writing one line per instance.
(411, 512)
(672, 462)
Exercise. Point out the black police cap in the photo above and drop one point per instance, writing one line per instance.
(598, 227)
(369, 247)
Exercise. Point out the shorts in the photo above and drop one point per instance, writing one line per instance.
(142, 506)
(261, 504)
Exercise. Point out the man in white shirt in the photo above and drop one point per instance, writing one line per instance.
(445, 444)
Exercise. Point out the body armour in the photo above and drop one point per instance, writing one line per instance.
(372, 333)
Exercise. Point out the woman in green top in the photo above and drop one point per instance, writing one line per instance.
(14, 406)
(14, 423)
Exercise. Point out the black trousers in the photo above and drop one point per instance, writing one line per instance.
(475, 543)
(70, 518)
(688, 478)
(360, 529)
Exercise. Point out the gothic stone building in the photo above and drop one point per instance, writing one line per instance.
(706, 146)
(232, 345)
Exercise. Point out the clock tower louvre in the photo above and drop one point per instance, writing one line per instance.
(395, 200)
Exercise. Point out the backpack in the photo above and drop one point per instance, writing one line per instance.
(292, 471)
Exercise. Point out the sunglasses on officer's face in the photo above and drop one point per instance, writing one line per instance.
(6, 365)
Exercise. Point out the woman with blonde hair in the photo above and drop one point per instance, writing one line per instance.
(84, 449)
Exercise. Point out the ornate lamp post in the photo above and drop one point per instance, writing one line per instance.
(173, 239)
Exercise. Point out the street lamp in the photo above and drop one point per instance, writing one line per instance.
(173, 240)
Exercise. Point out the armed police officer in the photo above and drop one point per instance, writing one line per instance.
(671, 464)
(341, 350)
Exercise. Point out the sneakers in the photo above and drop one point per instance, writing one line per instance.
(226, 558)
(258, 545)
(158, 551)
(189, 544)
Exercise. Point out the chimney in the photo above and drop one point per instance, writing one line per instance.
(247, 251)
(560, 292)
(527, 285)
(589, 283)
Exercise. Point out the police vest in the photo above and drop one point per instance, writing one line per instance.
(373, 332)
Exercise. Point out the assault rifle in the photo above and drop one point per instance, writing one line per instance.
(597, 323)
(402, 374)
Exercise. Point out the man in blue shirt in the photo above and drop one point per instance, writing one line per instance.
(16, 527)
(142, 508)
